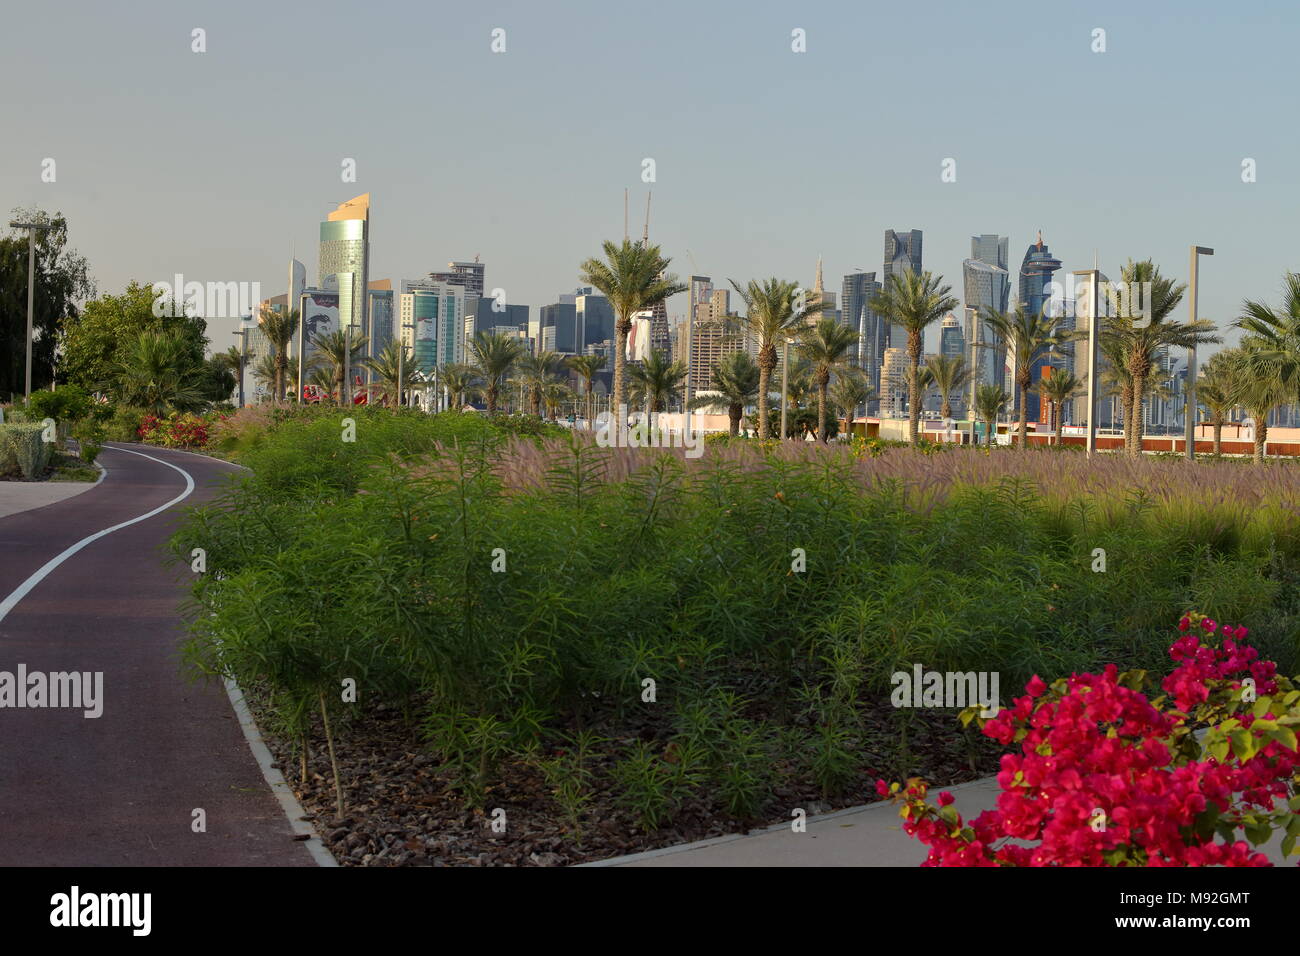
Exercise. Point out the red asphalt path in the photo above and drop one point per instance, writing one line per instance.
(120, 789)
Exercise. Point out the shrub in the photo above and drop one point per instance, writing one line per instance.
(66, 404)
(24, 450)
(1107, 777)
(123, 424)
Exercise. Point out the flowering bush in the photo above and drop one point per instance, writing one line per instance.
(175, 431)
(1107, 777)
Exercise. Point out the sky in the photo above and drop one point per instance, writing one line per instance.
(218, 165)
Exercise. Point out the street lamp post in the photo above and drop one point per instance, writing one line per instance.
(1093, 276)
(31, 228)
(1189, 414)
(243, 360)
(785, 368)
(401, 352)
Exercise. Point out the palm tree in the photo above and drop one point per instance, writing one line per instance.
(1268, 368)
(493, 357)
(771, 314)
(850, 390)
(826, 346)
(331, 349)
(231, 358)
(1136, 340)
(735, 385)
(267, 370)
(1216, 390)
(948, 373)
(587, 366)
(554, 394)
(1030, 337)
(656, 380)
(156, 371)
(1057, 389)
(461, 381)
(914, 301)
(534, 372)
(279, 329)
(989, 402)
(388, 367)
(634, 277)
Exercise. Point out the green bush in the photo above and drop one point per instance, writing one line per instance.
(123, 424)
(378, 559)
(24, 450)
(66, 404)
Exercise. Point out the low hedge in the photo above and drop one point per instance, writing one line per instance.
(23, 450)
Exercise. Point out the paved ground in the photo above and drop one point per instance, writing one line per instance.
(16, 496)
(120, 789)
(860, 836)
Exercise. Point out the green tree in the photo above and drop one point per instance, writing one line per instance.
(331, 352)
(948, 374)
(93, 343)
(279, 329)
(62, 283)
(216, 381)
(157, 371)
(1030, 337)
(493, 357)
(1216, 390)
(1267, 370)
(384, 369)
(461, 381)
(848, 392)
(774, 310)
(827, 348)
(1136, 339)
(535, 371)
(735, 386)
(634, 277)
(989, 402)
(587, 366)
(656, 381)
(914, 301)
(1057, 389)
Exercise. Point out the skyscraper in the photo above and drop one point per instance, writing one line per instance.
(467, 275)
(986, 284)
(344, 260)
(857, 291)
(902, 254)
(1036, 273)
(951, 339)
(595, 317)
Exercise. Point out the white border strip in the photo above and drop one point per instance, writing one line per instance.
(42, 572)
(275, 779)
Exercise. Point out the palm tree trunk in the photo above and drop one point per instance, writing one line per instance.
(1023, 381)
(1261, 436)
(492, 400)
(1134, 433)
(764, 382)
(733, 414)
(821, 413)
(621, 329)
(1218, 438)
(913, 385)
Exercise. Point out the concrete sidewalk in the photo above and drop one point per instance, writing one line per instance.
(16, 496)
(859, 836)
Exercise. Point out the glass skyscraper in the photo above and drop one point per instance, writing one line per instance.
(856, 293)
(986, 284)
(1036, 273)
(345, 256)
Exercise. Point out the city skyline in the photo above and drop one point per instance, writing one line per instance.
(736, 210)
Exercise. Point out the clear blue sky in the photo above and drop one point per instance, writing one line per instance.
(216, 165)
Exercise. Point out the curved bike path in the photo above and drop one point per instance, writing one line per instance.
(121, 789)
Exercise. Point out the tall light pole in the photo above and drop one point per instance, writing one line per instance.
(1093, 276)
(785, 370)
(31, 228)
(401, 353)
(1189, 415)
(243, 359)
